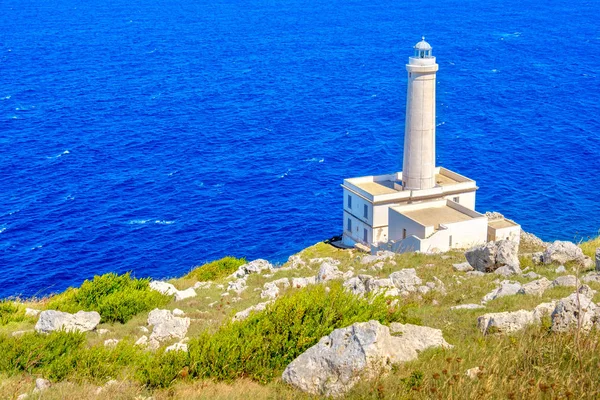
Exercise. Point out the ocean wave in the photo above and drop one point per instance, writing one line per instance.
(152, 221)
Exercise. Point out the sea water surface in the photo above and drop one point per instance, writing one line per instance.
(152, 136)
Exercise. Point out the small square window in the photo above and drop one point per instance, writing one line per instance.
(456, 199)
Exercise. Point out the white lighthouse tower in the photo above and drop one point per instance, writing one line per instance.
(423, 208)
(418, 170)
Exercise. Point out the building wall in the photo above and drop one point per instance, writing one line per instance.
(511, 232)
(357, 233)
(399, 222)
(464, 199)
(357, 208)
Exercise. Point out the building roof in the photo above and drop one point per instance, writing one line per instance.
(501, 223)
(434, 216)
(423, 45)
(377, 188)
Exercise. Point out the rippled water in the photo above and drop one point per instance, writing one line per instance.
(153, 136)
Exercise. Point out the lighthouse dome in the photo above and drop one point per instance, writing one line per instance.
(422, 45)
(423, 49)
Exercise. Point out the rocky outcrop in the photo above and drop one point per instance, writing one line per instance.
(562, 252)
(493, 255)
(508, 322)
(303, 282)
(163, 287)
(406, 280)
(575, 310)
(328, 272)
(508, 270)
(462, 267)
(166, 326)
(185, 294)
(505, 288)
(598, 259)
(253, 267)
(531, 239)
(566, 281)
(365, 349)
(82, 321)
(271, 289)
(238, 285)
(380, 256)
(535, 288)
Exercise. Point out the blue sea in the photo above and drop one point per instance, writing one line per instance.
(152, 136)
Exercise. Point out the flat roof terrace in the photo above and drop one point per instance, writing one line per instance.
(501, 223)
(434, 216)
(377, 188)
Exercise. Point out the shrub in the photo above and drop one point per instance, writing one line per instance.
(261, 346)
(11, 312)
(116, 297)
(161, 369)
(216, 269)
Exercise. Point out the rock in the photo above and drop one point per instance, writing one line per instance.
(505, 288)
(253, 267)
(328, 272)
(163, 287)
(31, 312)
(473, 373)
(508, 270)
(530, 238)
(575, 310)
(328, 260)
(378, 266)
(467, 307)
(101, 332)
(111, 342)
(535, 288)
(562, 252)
(357, 285)
(423, 289)
(82, 321)
(166, 326)
(560, 270)
(598, 259)
(22, 396)
(185, 294)
(406, 280)
(531, 275)
(144, 329)
(493, 255)
(238, 286)
(142, 341)
(42, 384)
(380, 256)
(475, 273)
(543, 309)
(202, 285)
(242, 315)
(462, 267)
(538, 257)
(177, 347)
(296, 262)
(178, 313)
(505, 322)
(271, 289)
(303, 282)
(565, 280)
(339, 360)
(591, 277)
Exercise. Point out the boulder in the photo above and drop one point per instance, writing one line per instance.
(185, 294)
(598, 259)
(303, 282)
(379, 285)
(506, 288)
(535, 288)
(163, 288)
(508, 270)
(81, 321)
(357, 285)
(328, 272)
(378, 257)
(295, 262)
(166, 326)
(565, 280)
(462, 267)
(271, 289)
(364, 349)
(242, 315)
(505, 322)
(562, 252)
(253, 267)
(560, 269)
(406, 280)
(41, 384)
(591, 277)
(538, 257)
(493, 255)
(531, 275)
(238, 286)
(178, 313)
(575, 310)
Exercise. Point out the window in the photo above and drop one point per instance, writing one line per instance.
(349, 225)
(456, 199)
(403, 233)
(366, 211)
(349, 201)
(365, 235)
(450, 241)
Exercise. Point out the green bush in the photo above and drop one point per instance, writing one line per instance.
(261, 346)
(116, 297)
(11, 312)
(162, 369)
(216, 269)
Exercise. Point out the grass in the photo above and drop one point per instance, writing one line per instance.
(216, 269)
(11, 312)
(116, 297)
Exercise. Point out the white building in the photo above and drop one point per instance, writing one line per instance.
(424, 208)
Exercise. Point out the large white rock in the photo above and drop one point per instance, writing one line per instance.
(328, 272)
(272, 289)
(493, 255)
(406, 280)
(506, 288)
(81, 321)
(575, 310)
(166, 326)
(303, 282)
(357, 285)
(505, 322)
(462, 267)
(565, 280)
(562, 252)
(535, 288)
(253, 267)
(238, 286)
(163, 287)
(364, 349)
(185, 294)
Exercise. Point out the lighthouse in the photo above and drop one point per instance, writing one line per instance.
(423, 207)
(418, 170)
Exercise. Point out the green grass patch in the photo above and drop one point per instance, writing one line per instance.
(116, 297)
(11, 312)
(261, 346)
(216, 269)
